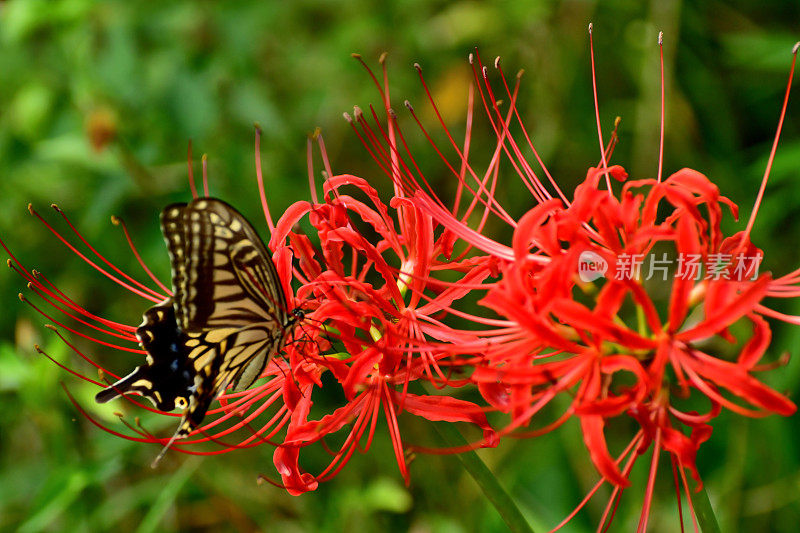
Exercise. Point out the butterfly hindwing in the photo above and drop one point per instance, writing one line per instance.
(167, 376)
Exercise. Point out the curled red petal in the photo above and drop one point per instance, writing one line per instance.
(737, 380)
(364, 364)
(295, 480)
(595, 440)
(496, 394)
(447, 409)
(757, 344)
(688, 244)
(578, 316)
(718, 319)
(290, 217)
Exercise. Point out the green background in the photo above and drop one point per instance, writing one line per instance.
(160, 74)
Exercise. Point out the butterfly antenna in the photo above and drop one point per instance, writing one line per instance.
(309, 338)
(285, 377)
(298, 319)
(282, 371)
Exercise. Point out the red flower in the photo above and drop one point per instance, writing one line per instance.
(562, 334)
(382, 300)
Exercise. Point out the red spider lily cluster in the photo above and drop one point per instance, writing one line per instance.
(568, 308)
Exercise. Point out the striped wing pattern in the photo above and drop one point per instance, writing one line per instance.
(226, 318)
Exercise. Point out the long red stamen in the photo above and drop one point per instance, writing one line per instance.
(500, 123)
(648, 497)
(124, 335)
(263, 478)
(358, 58)
(401, 174)
(260, 178)
(634, 442)
(494, 165)
(677, 483)
(101, 426)
(341, 457)
(466, 146)
(477, 196)
(92, 263)
(394, 431)
(102, 258)
(597, 113)
(530, 142)
(390, 167)
(393, 118)
(90, 338)
(57, 295)
(462, 153)
(119, 222)
(616, 495)
(310, 165)
(323, 152)
(521, 167)
(368, 146)
(387, 106)
(688, 497)
(661, 135)
(95, 422)
(64, 367)
(746, 236)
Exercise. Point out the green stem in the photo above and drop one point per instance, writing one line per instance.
(486, 480)
(703, 510)
(641, 321)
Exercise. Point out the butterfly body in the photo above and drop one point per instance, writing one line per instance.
(227, 316)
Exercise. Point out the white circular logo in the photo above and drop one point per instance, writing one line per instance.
(591, 266)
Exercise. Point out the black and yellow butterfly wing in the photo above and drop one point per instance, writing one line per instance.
(167, 376)
(229, 313)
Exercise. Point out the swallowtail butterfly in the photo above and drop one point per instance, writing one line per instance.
(227, 316)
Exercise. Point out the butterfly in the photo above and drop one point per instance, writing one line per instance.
(226, 318)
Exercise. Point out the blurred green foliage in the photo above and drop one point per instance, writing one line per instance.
(99, 99)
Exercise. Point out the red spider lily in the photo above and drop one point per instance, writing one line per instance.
(380, 299)
(564, 335)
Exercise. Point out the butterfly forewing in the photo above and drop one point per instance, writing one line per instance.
(174, 235)
(223, 275)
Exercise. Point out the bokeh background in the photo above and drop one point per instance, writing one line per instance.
(99, 99)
